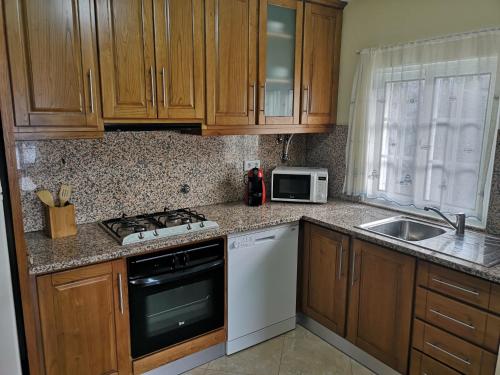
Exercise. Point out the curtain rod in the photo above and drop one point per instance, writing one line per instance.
(418, 41)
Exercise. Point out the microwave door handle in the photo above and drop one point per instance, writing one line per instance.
(175, 276)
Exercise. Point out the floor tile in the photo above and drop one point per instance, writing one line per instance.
(359, 369)
(298, 352)
(262, 359)
(307, 354)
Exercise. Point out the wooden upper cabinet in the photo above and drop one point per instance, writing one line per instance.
(180, 66)
(324, 275)
(81, 321)
(322, 31)
(280, 61)
(380, 303)
(231, 59)
(126, 52)
(53, 63)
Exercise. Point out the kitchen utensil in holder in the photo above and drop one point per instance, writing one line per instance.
(60, 221)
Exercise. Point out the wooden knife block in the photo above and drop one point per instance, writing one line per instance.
(60, 221)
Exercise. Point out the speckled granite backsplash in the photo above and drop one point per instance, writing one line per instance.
(328, 150)
(138, 172)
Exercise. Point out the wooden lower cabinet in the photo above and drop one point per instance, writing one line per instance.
(424, 365)
(380, 303)
(324, 273)
(453, 351)
(84, 320)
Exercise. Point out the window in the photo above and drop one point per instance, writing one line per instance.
(423, 125)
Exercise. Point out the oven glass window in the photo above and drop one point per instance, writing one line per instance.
(166, 314)
(292, 186)
(179, 307)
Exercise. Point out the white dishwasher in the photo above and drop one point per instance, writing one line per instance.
(262, 284)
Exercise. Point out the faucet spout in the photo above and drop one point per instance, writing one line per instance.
(458, 225)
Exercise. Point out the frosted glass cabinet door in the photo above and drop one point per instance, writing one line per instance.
(280, 52)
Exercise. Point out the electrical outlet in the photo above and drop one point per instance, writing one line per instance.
(250, 164)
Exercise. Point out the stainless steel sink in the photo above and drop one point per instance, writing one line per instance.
(405, 229)
(472, 246)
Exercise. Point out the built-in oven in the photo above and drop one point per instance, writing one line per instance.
(175, 295)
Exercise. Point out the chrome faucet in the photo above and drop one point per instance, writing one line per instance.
(459, 224)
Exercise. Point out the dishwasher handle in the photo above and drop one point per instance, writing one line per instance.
(267, 238)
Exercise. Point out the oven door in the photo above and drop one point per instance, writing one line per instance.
(291, 187)
(170, 308)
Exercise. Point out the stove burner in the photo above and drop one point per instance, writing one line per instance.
(139, 228)
(161, 224)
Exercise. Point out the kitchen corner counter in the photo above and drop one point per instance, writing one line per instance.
(92, 244)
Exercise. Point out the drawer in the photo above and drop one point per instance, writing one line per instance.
(460, 355)
(422, 364)
(454, 284)
(458, 318)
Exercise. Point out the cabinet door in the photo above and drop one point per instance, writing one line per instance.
(322, 30)
(280, 61)
(80, 316)
(179, 40)
(325, 268)
(52, 54)
(231, 42)
(126, 53)
(380, 304)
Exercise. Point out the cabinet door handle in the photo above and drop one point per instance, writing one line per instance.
(461, 288)
(120, 292)
(153, 95)
(305, 100)
(163, 86)
(353, 267)
(262, 98)
(468, 325)
(254, 96)
(91, 91)
(466, 361)
(341, 252)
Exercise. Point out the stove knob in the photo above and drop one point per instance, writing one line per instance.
(183, 260)
(171, 260)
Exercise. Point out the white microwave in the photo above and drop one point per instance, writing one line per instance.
(299, 184)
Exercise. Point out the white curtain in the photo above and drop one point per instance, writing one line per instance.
(423, 123)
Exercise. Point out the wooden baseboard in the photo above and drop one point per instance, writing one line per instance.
(181, 350)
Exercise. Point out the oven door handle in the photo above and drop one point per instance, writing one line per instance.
(175, 276)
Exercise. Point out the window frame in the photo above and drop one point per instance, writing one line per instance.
(429, 74)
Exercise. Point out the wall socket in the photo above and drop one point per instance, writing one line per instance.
(250, 164)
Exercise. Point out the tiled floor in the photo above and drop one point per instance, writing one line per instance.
(297, 352)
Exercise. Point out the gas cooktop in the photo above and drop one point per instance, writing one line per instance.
(132, 229)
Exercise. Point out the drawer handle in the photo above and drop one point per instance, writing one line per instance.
(468, 325)
(461, 288)
(466, 361)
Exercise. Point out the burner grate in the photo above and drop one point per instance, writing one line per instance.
(156, 224)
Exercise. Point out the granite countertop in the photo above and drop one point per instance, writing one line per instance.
(92, 244)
